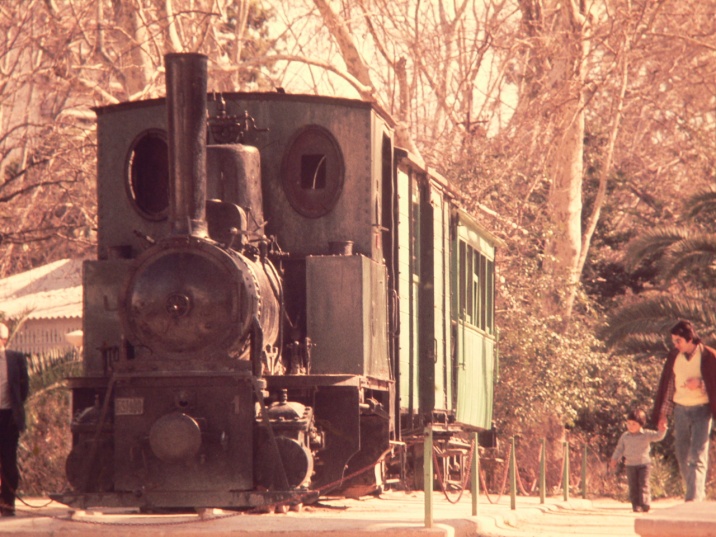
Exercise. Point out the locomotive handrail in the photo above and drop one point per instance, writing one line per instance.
(89, 463)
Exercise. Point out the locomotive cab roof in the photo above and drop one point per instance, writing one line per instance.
(261, 96)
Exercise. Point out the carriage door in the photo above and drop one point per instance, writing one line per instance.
(475, 350)
(408, 287)
(423, 238)
(422, 292)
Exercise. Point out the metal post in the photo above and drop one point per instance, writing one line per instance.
(565, 478)
(584, 473)
(428, 475)
(543, 472)
(475, 473)
(513, 477)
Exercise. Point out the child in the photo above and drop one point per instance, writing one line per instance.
(634, 446)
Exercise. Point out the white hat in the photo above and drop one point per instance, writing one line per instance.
(4, 332)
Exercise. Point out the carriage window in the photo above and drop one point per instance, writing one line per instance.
(483, 290)
(462, 268)
(490, 297)
(415, 233)
(312, 171)
(477, 281)
(148, 174)
(470, 287)
(476, 294)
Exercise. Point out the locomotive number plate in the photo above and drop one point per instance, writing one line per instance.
(128, 406)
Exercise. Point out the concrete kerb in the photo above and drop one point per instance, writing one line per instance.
(690, 519)
(511, 518)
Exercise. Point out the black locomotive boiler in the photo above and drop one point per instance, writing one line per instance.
(281, 300)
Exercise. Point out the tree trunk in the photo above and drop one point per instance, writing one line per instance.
(565, 165)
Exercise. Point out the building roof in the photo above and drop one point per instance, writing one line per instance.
(52, 291)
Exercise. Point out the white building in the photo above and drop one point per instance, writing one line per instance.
(48, 301)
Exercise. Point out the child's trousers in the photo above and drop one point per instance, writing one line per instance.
(639, 490)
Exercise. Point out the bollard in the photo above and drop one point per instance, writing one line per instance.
(584, 473)
(475, 473)
(543, 472)
(513, 476)
(428, 475)
(565, 478)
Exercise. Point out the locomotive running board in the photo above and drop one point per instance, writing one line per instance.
(186, 499)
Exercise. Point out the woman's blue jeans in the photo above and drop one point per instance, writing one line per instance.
(691, 442)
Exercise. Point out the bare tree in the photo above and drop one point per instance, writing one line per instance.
(544, 95)
(524, 104)
(58, 60)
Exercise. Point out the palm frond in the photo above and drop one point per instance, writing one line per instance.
(652, 243)
(653, 317)
(676, 252)
(48, 368)
(689, 255)
(642, 345)
(701, 203)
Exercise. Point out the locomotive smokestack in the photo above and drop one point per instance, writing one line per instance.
(186, 79)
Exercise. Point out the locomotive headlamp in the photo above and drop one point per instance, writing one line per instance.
(175, 437)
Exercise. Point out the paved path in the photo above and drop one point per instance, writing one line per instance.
(597, 517)
(396, 514)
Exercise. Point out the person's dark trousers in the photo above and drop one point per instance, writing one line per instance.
(10, 475)
(639, 492)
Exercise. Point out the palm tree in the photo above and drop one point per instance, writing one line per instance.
(685, 261)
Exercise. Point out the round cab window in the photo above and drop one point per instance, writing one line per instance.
(312, 172)
(148, 174)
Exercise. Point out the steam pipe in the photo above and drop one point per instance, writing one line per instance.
(186, 80)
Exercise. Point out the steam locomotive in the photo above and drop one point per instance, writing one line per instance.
(281, 300)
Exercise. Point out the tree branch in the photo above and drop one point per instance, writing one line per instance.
(352, 58)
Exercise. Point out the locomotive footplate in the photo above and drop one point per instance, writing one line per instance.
(187, 499)
(299, 381)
